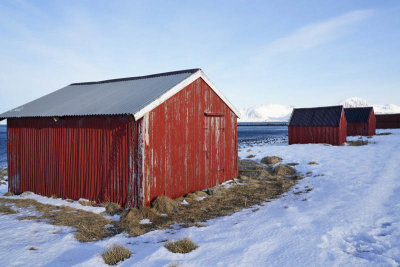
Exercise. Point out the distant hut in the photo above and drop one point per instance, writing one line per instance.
(387, 121)
(360, 121)
(318, 125)
(125, 140)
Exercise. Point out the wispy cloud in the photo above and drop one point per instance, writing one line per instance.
(318, 33)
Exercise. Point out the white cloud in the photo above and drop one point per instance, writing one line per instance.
(318, 33)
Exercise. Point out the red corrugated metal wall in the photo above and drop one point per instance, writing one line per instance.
(362, 128)
(75, 157)
(319, 134)
(387, 121)
(189, 143)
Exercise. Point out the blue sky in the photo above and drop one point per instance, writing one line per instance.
(301, 53)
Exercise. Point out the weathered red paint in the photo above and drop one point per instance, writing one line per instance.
(73, 157)
(387, 121)
(187, 143)
(319, 134)
(362, 128)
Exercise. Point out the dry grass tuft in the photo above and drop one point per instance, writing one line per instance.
(84, 202)
(313, 163)
(251, 156)
(8, 194)
(164, 204)
(112, 208)
(181, 246)
(357, 143)
(115, 254)
(271, 160)
(7, 210)
(32, 248)
(283, 169)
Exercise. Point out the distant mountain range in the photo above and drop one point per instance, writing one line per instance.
(275, 112)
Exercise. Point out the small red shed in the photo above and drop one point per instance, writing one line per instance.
(360, 121)
(387, 121)
(124, 140)
(318, 125)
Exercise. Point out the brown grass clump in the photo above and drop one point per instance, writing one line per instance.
(181, 246)
(89, 226)
(112, 208)
(8, 194)
(271, 160)
(165, 205)
(283, 169)
(7, 210)
(85, 202)
(292, 164)
(251, 156)
(115, 254)
(313, 163)
(357, 143)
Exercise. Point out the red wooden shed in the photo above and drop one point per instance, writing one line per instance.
(387, 121)
(318, 125)
(124, 140)
(360, 121)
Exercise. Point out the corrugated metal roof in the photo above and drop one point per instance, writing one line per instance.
(321, 116)
(117, 96)
(357, 114)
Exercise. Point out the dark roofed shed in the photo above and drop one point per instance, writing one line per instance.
(318, 125)
(360, 121)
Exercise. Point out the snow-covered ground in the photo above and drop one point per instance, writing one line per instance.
(350, 218)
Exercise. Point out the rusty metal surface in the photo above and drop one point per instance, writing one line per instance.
(80, 157)
(319, 134)
(387, 121)
(186, 145)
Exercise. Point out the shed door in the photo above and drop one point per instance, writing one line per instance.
(214, 145)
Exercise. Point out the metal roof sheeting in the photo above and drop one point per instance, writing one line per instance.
(109, 97)
(357, 114)
(321, 116)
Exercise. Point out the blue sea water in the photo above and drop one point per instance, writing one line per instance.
(248, 133)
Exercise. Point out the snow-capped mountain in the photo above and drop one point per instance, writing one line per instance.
(276, 112)
(378, 108)
(268, 112)
(354, 102)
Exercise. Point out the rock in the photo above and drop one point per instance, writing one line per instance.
(271, 160)
(293, 164)
(283, 169)
(164, 204)
(313, 163)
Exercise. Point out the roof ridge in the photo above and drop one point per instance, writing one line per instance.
(139, 77)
